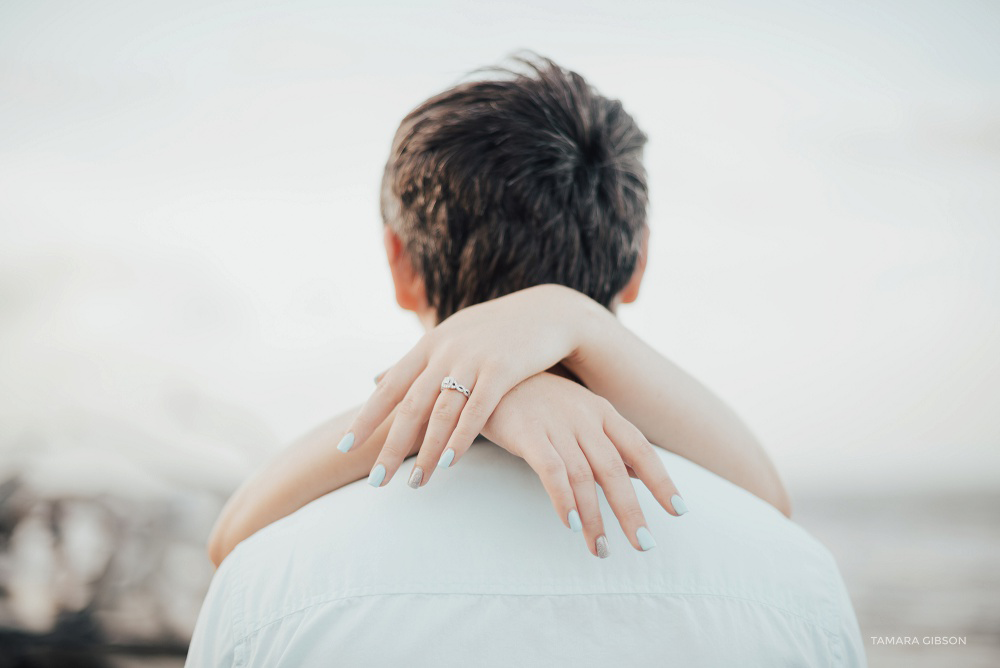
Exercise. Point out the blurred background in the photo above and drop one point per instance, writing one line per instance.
(191, 274)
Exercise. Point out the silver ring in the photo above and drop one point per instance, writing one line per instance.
(450, 383)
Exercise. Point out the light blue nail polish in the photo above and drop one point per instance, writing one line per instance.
(446, 459)
(645, 539)
(678, 503)
(377, 475)
(574, 521)
(347, 442)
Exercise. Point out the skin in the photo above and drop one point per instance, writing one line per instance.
(517, 354)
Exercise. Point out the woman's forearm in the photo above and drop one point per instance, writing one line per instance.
(671, 408)
(301, 473)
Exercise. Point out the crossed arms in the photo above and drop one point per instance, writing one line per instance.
(575, 435)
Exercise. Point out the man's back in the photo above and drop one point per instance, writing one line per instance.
(476, 570)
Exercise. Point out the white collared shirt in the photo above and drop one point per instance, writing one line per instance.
(475, 569)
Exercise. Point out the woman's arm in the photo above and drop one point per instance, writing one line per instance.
(304, 471)
(671, 408)
(557, 426)
(667, 405)
(493, 346)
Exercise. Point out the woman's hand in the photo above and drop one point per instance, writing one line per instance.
(488, 348)
(573, 438)
(491, 347)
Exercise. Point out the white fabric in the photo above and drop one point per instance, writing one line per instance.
(476, 570)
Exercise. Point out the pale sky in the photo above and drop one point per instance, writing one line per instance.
(190, 243)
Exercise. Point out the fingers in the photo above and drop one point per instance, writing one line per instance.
(640, 456)
(444, 416)
(541, 456)
(487, 391)
(391, 388)
(410, 418)
(581, 480)
(609, 470)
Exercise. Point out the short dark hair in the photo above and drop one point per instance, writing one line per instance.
(498, 185)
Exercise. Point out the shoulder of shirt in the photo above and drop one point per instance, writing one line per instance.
(486, 528)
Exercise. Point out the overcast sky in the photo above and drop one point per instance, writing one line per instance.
(188, 213)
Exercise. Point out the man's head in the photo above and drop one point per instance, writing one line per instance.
(497, 185)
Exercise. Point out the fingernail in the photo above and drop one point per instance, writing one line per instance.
(446, 459)
(347, 442)
(415, 477)
(645, 539)
(602, 547)
(377, 475)
(378, 376)
(678, 503)
(574, 521)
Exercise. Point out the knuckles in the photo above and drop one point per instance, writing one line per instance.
(581, 475)
(613, 468)
(633, 515)
(552, 468)
(601, 406)
(476, 410)
(383, 386)
(442, 412)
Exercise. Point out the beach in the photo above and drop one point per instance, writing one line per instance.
(917, 567)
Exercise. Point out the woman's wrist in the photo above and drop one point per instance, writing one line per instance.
(593, 326)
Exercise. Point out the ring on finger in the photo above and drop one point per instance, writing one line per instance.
(450, 383)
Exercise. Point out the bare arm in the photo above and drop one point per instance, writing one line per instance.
(667, 405)
(671, 408)
(301, 473)
(499, 343)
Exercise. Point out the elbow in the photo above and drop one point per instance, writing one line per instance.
(775, 492)
(782, 501)
(785, 507)
(217, 545)
(215, 554)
